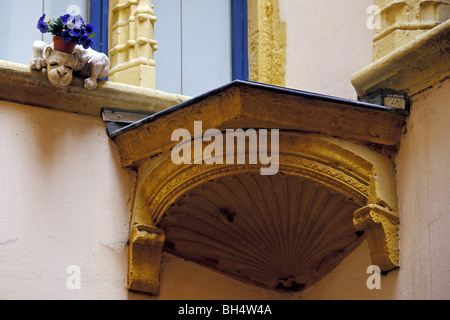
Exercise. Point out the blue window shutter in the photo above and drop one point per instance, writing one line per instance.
(240, 39)
(100, 18)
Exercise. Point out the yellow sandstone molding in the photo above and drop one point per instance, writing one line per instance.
(132, 43)
(334, 187)
(401, 21)
(20, 84)
(412, 68)
(267, 42)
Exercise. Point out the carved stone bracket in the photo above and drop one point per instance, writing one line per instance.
(381, 227)
(144, 260)
(283, 232)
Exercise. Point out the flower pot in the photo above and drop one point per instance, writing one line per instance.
(61, 45)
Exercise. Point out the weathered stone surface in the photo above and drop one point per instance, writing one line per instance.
(20, 84)
(334, 185)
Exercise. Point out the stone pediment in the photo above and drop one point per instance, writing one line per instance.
(334, 187)
(243, 104)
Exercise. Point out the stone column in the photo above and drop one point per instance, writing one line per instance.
(401, 21)
(132, 43)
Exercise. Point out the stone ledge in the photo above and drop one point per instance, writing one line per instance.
(411, 68)
(20, 84)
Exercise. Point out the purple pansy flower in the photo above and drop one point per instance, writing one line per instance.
(75, 32)
(71, 27)
(75, 22)
(64, 19)
(89, 28)
(42, 26)
(88, 44)
(66, 35)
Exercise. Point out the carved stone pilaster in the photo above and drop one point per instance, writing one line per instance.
(132, 42)
(267, 42)
(144, 262)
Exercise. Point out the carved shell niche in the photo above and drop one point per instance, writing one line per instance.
(279, 232)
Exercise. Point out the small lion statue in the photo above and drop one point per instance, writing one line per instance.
(61, 66)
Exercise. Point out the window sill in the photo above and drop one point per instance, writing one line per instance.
(20, 84)
(411, 68)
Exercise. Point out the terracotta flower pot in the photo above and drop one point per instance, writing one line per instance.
(62, 45)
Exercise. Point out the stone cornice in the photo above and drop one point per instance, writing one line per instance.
(20, 84)
(412, 68)
(243, 104)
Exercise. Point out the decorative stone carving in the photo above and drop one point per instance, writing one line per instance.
(62, 66)
(280, 232)
(381, 226)
(283, 232)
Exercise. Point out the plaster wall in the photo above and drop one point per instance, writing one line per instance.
(327, 41)
(64, 200)
(185, 280)
(423, 178)
(422, 187)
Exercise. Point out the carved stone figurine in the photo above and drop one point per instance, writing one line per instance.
(61, 66)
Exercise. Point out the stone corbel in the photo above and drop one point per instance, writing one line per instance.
(381, 226)
(144, 262)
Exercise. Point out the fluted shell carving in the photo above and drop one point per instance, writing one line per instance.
(279, 232)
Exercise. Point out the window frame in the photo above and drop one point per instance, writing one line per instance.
(100, 20)
(239, 15)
